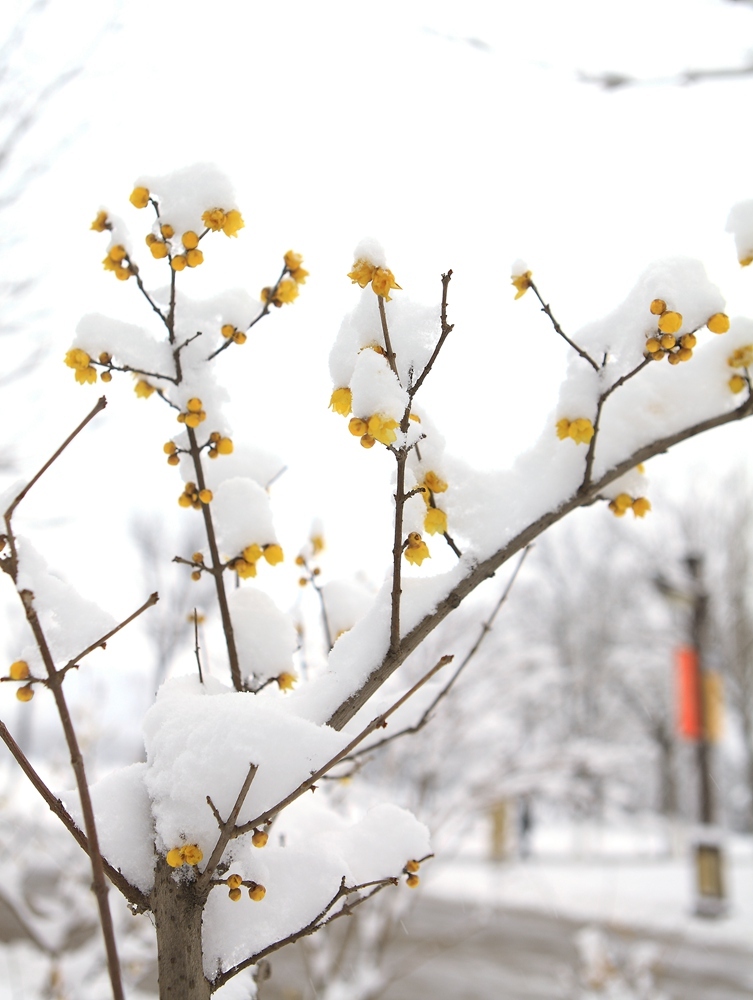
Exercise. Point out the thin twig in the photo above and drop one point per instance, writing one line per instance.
(196, 644)
(378, 723)
(486, 628)
(136, 898)
(226, 833)
(148, 603)
(319, 921)
(148, 297)
(487, 568)
(98, 407)
(99, 886)
(262, 314)
(389, 353)
(446, 330)
(545, 308)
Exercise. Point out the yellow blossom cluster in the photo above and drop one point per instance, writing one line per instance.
(663, 343)
(80, 362)
(580, 430)
(256, 891)
(435, 521)
(193, 415)
(170, 448)
(285, 682)
(416, 549)
(382, 280)
(374, 428)
(192, 496)
(189, 854)
(230, 332)
(219, 445)
(245, 564)
(19, 671)
(283, 293)
(117, 262)
(742, 357)
(622, 503)
(218, 219)
(198, 560)
(410, 870)
(293, 263)
(521, 283)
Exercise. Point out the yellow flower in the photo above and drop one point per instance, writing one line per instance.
(190, 240)
(357, 427)
(19, 670)
(287, 291)
(246, 570)
(175, 857)
(178, 262)
(653, 345)
(688, 340)
(317, 543)
(299, 275)
(225, 446)
(257, 893)
(435, 521)
(434, 483)
(718, 323)
(670, 322)
(139, 197)
(658, 306)
(252, 553)
(234, 881)
(260, 838)
(286, 681)
(742, 357)
(158, 249)
(192, 854)
(142, 389)
(362, 273)
(167, 230)
(194, 258)
(117, 253)
(641, 506)
(416, 549)
(737, 383)
(412, 867)
(78, 359)
(273, 554)
(412, 881)
(293, 260)
(100, 223)
(233, 222)
(522, 282)
(581, 430)
(383, 282)
(341, 401)
(623, 501)
(382, 429)
(214, 219)
(745, 261)
(25, 693)
(234, 894)
(205, 496)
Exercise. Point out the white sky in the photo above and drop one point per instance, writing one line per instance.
(336, 121)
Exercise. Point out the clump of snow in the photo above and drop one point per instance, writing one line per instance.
(740, 224)
(71, 623)
(185, 194)
(371, 251)
(345, 601)
(242, 515)
(519, 267)
(245, 461)
(265, 637)
(132, 345)
(376, 389)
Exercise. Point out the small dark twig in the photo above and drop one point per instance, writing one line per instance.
(98, 407)
(148, 603)
(226, 832)
(446, 330)
(196, 644)
(545, 308)
(389, 353)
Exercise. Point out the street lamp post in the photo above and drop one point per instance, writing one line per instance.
(710, 896)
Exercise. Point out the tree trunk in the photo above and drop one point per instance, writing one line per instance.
(177, 915)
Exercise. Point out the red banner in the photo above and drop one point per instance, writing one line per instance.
(688, 695)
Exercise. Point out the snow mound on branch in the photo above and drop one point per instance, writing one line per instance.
(185, 194)
(265, 637)
(242, 515)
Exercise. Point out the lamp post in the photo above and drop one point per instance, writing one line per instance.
(710, 896)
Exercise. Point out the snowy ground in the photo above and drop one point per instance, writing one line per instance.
(616, 878)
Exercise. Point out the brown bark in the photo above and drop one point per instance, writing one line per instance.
(178, 911)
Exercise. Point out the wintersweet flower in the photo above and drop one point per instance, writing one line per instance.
(434, 483)
(718, 323)
(190, 240)
(101, 223)
(233, 223)
(260, 838)
(273, 554)
(214, 219)
(341, 401)
(416, 549)
(435, 521)
(742, 357)
(581, 430)
(293, 263)
(25, 693)
(143, 389)
(257, 893)
(19, 670)
(286, 681)
(245, 570)
(158, 249)
(670, 322)
(362, 273)
(287, 291)
(80, 362)
(167, 231)
(382, 429)
(657, 307)
(641, 506)
(737, 383)
(522, 282)
(383, 281)
(139, 197)
(252, 553)
(192, 854)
